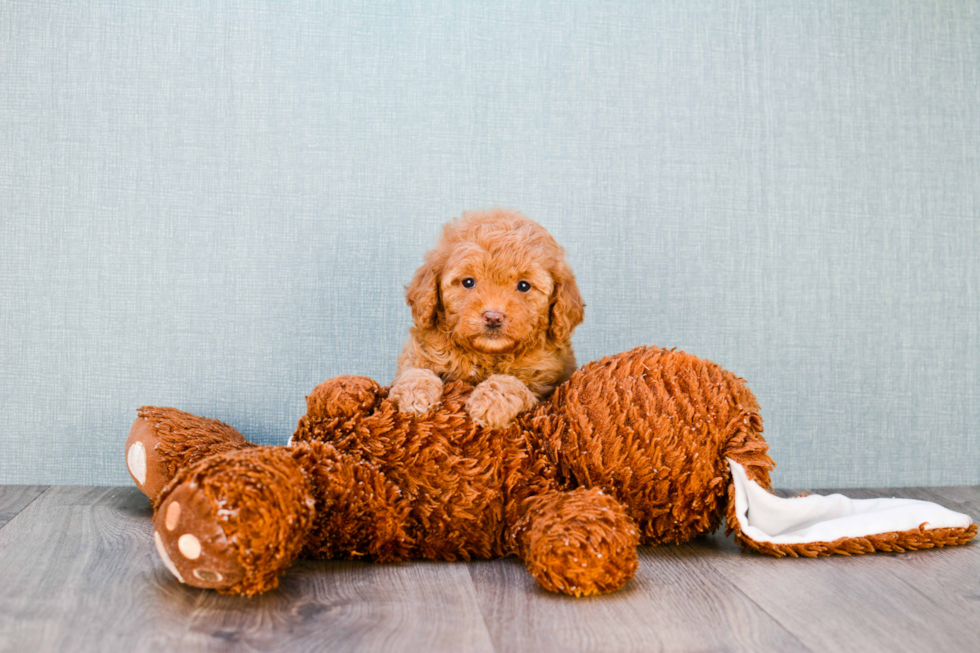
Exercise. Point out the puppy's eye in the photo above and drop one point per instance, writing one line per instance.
(523, 286)
(469, 282)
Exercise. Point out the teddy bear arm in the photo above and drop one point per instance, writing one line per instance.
(579, 542)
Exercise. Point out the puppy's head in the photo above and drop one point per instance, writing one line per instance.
(496, 281)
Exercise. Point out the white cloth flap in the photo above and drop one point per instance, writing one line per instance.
(765, 517)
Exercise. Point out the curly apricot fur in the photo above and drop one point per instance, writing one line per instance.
(500, 252)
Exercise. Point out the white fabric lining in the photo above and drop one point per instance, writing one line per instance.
(764, 517)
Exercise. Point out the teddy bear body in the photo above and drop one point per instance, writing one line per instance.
(631, 450)
(454, 479)
(650, 427)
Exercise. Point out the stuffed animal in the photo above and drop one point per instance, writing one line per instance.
(646, 447)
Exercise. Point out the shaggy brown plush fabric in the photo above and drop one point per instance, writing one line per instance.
(631, 450)
(170, 439)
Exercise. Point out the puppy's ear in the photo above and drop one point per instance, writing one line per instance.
(567, 309)
(422, 295)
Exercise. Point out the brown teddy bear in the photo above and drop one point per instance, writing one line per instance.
(644, 447)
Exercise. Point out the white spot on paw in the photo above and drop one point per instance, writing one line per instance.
(189, 546)
(173, 516)
(166, 559)
(136, 461)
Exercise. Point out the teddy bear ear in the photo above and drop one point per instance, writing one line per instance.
(567, 308)
(422, 294)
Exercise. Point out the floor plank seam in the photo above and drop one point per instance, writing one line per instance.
(787, 629)
(26, 506)
(483, 615)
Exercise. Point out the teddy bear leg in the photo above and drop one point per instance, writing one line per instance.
(580, 542)
(234, 521)
(163, 440)
(360, 513)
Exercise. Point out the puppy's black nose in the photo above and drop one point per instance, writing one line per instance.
(493, 319)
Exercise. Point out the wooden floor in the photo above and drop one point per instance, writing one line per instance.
(78, 572)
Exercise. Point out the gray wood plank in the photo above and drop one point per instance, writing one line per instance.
(949, 576)
(348, 606)
(78, 572)
(961, 499)
(923, 600)
(14, 498)
(675, 602)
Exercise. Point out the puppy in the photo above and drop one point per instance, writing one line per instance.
(495, 305)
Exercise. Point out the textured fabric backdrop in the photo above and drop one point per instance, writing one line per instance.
(215, 206)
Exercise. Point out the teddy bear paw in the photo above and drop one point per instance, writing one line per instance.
(416, 391)
(581, 542)
(143, 461)
(344, 397)
(498, 399)
(191, 543)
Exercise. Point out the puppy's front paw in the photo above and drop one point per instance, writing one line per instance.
(498, 399)
(416, 390)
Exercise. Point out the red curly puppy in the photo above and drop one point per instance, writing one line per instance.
(495, 305)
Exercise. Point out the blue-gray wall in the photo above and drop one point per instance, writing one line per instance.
(216, 205)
